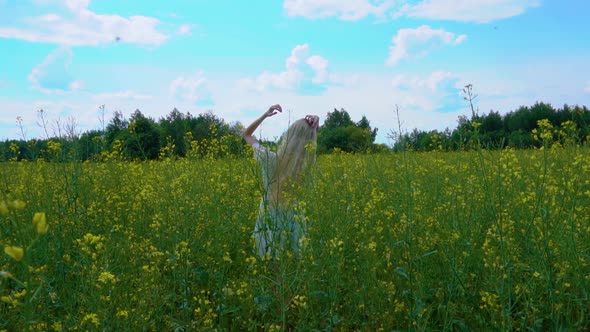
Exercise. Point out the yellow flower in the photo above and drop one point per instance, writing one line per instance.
(92, 319)
(57, 326)
(40, 221)
(107, 277)
(17, 204)
(15, 252)
(9, 300)
(3, 207)
(122, 314)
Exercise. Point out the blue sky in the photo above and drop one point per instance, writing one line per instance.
(235, 58)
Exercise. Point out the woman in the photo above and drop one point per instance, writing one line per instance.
(278, 226)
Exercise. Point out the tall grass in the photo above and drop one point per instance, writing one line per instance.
(414, 241)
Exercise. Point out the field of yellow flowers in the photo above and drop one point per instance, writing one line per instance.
(467, 241)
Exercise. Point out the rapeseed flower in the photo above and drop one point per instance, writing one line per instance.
(122, 314)
(106, 278)
(92, 319)
(17, 204)
(40, 222)
(3, 207)
(17, 253)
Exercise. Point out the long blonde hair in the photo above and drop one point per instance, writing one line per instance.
(296, 151)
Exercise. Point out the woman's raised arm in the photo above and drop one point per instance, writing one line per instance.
(249, 131)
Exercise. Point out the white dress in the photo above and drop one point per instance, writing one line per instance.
(276, 226)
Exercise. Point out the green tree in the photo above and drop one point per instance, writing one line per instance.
(337, 119)
(116, 127)
(90, 145)
(143, 141)
(174, 128)
(340, 132)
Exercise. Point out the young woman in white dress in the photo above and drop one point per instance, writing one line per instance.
(278, 227)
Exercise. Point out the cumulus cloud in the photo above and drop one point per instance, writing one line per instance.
(418, 42)
(349, 10)
(190, 88)
(457, 10)
(285, 80)
(438, 91)
(320, 67)
(468, 10)
(298, 66)
(52, 75)
(79, 26)
(432, 82)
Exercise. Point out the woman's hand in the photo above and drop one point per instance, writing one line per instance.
(249, 131)
(274, 109)
(313, 121)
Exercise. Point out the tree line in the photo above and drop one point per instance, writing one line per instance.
(176, 135)
(515, 129)
(180, 135)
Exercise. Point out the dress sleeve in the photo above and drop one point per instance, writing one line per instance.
(265, 157)
(261, 153)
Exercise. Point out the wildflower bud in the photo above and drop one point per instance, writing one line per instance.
(3, 207)
(17, 253)
(40, 221)
(17, 204)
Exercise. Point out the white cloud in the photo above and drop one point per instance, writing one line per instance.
(129, 95)
(77, 5)
(298, 54)
(82, 27)
(284, 80)
(349, 10)
(52, 75)
(185, 29)
(426, 101)
(294, 74)
(418, 42)
(435, 92)
(587, 88)
(481, 11)
(190, 88)
(372, 95)
(76, 85)
(432, 82)
(320, 66)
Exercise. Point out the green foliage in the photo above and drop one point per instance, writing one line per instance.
(337, 119)
(458, 241)
(90, 145)
(494, 131)
(178, 133)
(143, 141)
(173, 129)
(339, 132)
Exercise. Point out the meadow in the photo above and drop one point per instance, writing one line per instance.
(437, 241)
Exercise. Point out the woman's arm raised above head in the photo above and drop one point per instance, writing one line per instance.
(249, 131)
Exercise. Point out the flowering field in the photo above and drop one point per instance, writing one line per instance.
(410, 241)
